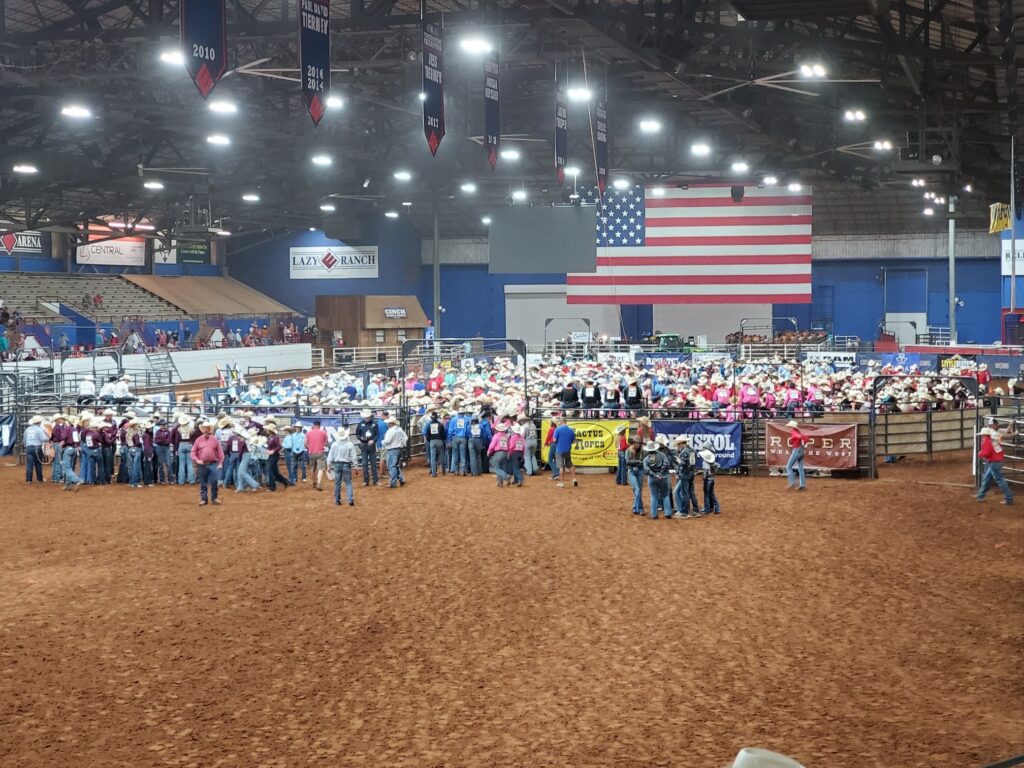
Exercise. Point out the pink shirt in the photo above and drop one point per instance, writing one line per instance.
(206, 450)
(316, 440)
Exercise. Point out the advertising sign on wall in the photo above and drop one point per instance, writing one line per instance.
(27, 241)
(956, 362)
(829, 446)
(123, 252)
(840, 359)
(725, 439)
(339, 262)
(1006, 257)
(596, 442)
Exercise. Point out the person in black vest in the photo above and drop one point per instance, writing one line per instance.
(686, 471)
(569, 397)
(591, 398)
(367, 432)
(633, 397)
(434, 434)
(612, 398)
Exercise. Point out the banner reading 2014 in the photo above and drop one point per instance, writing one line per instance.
(204, 42)
(315, 54)
(596, 443)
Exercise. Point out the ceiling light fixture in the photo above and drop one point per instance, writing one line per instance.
(468, 187)
(578, 93)
(422, 96)
(251, 197)
(814, 69)
(928, 211)
(519, 194)
(700, 149)
(658, 191)
(173, 57)
(740, 167)
(153, 184)
(25, 168)
(854, 116)
(402, 176)
(391, 214)
(621, 184)
(76, 111)
(475, 45)
(770, 181)
(968, 188)
(485, 220)
(510, 154)
(327, 207)
(335, 102)
(795, 186)
(407, 204)
(572, 170)
(883, 145)
(218, 139)
(650, 125)
(223, 233)
(322, 161)
(223, 107)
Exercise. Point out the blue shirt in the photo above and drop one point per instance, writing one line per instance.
(564, 438)
(35, 436)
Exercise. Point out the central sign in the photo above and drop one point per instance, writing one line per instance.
(332, 262)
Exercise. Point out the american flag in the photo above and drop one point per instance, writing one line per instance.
(696, 246)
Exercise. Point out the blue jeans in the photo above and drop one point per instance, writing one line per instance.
(95, 456)
(530, 458)
(33, 462)
(243, 474)
(230, 469)
(620, 471)
(368, 455)
(134, 466)
(57, 469)
(659, 496)
(436, 456)
(460, 455)
(710, 500)
(208, 477)
(794, 465)
(186, 472)
(291, 461)
(499, 465)
(87, 468)
(993, 474)
(476, 452)
(551, 462)
(67, 458)
(163, 463)
(395, 475)
(302, 460)
(686, 496)
(342, 474)
(636, 482)
(514, 464)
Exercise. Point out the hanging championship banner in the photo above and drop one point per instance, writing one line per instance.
(204, 42)
(561, 129)
(433, 85)
(601, 143)
(315, 54)
(492, 108)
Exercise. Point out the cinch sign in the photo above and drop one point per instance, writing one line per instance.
(395, 313)
(333, 262)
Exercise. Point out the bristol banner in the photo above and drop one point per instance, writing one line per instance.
(596, 442)
(315, 54)
(433, 85)
(492, 107)
(829, 446)
(725, 439)
(342, 262)
(204, 42)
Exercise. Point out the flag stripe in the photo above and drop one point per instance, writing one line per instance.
(732, 233)
(727, 240)
(730, 221)
(683, 261)
(657, 214)
(706, 250)
(613, 272)
(698, 290)
(708, 202)
(780, 279)
(753, 298)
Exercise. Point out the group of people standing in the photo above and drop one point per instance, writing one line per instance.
(652, 457)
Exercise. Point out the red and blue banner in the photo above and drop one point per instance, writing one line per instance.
(492, 108)
(723, 437)
(315, 54)
(433, 85)
(204, 42)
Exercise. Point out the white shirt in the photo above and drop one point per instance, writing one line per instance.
(394, 438)
(87, 388)
(121, 389)
(107, 390)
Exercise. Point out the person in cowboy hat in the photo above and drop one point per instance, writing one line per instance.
(656, 466)
(710, 468)
(395, 441)
(367, 435)
(686, 470)
(635, 472)
(35, 437)
(87, 390)
(564, 437)
(209, 457)
(992, 456)
(59, 426)
(340, 457)
(183, 435)
(274, 475)
(797, 443)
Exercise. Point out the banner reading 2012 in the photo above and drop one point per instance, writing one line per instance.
(204, 42)
(315, 54)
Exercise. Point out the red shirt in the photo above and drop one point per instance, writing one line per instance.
(316, 440)
(991, 450)
(797, 439)
(206, 450)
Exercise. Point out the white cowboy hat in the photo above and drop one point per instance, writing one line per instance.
(126, 377)
(707, 455)
(503, 427)
(208, 425)
(390, 420)
(751, 757)
(661, 439)
(58, 417)
(109, 412)
(183, 420)
(651, 447)
(792, 424)
(342, 435)
(37, 419)
(89, 377)
(682, 439)
(366, 414)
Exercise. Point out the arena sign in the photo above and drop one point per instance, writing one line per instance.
(725, 439)
(596, 442)
(342, 262)
(23, 242)
(829, 446)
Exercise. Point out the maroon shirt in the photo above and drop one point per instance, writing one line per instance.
(72, 437)
(162, 436)
(91, 438)
(108, 434)
(58, 432)
(273, 444)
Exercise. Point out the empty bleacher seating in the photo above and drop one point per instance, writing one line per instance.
(29, 292)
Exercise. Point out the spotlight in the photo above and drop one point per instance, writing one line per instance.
(814, 69)
(770, 181)
(407, 204)
(917, 183)
(173, 57)
(621, 184)
(928, 211)
(223, 107)
(578, 93)
(251, 197)
(218, 139)
(819, 70)
(391, 214)
(883, 145)
(929, 195)
(312, 229)
(519, 194)
(422, 96)
(700, 149)
(968, 188)
(510, 154)
(740, 167)
(795, 186)
(402, 176)
(468, 187)
(486, 221)
(321, 160)
(327, 207)
(859, 115)
(658, 191)
(477, 46)
(940, 200)
(153, 184)
(76, 111)
(335, 102)
(223, 233)
(650, 125)
(25, 168)
(572, 170)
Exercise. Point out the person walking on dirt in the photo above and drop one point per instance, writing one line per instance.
(367, 433)
(992, 456)
(394, 443)
(635, 472)
(341, 457)
(797, 443)
(209, 457)
(564, 437)
(710, 470)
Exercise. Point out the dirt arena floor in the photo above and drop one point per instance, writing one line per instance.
(448, 623)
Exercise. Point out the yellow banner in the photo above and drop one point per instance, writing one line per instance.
(998, 218)
(596, 443)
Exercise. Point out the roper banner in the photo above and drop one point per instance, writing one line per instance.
(596, 442)
(315, 54)
(492, 107)
(204, 42)
(725, 439)
(333, 262)
(433, 85)
(829, 446)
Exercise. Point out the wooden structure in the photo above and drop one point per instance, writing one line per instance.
(371, 321)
